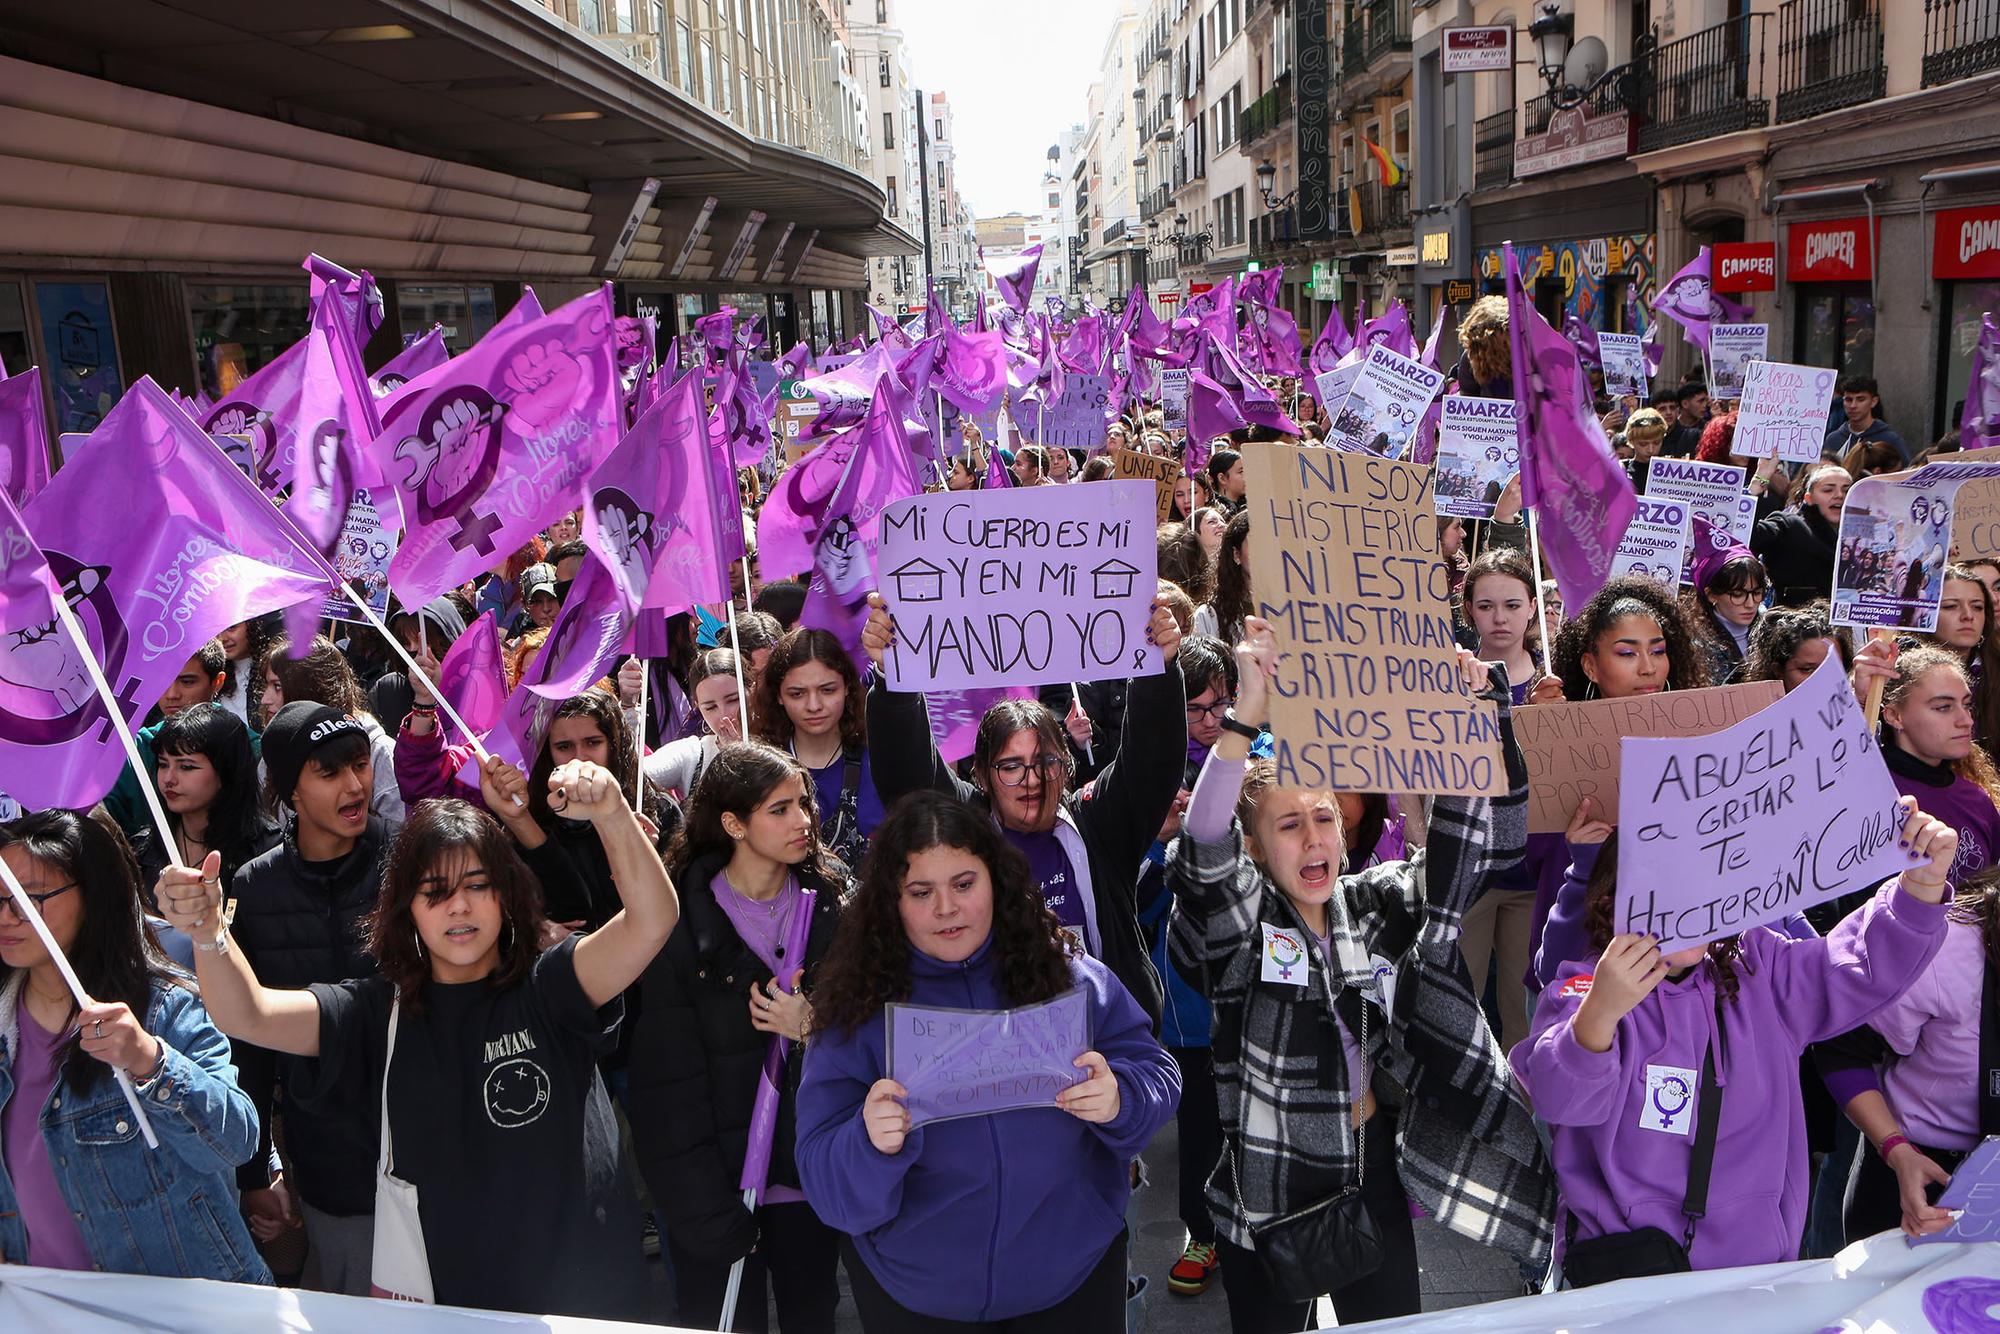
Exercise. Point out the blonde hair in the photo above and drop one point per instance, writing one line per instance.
(1482, 332)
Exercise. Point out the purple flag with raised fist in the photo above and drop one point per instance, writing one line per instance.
(1261, 288)
(1979, 423)
(843, 393)
(471, 676)
(1275, 336)
(973, 371)
(1014, 276)
(1688, 300)
(1333, 343)
(495, 445)
(1570, 476)
(355, 295)
(24, 437)
(158, 544)
(427, 352)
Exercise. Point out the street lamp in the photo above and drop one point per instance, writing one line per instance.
(1267, 180)
(1551, 35)
(1574, 72)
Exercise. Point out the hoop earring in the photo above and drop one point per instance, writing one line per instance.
(507, 936)
(1590, 690)
(418, 936)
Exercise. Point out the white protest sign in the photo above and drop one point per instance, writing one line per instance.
(1174, 397)
(1023, 586)
(1387, 399)
(1624, 364)
(1732, 347)
(1783, 411)
(1789, 808)
(1895, 531)
(1655, 542)
(361, 558)
(1478, 450)
(1334, 384)
(1712, 490)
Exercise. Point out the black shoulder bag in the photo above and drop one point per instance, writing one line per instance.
(1646, 1251)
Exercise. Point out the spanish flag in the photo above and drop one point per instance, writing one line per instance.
(1392, 172)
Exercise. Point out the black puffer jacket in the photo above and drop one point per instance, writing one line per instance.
(1797, 548)
(695, 1064)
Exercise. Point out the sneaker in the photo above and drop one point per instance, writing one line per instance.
(1195, 1270)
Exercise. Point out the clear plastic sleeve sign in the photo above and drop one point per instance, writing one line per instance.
(1731, 349)
(1020, 587)
(974, 1062)
(1174, 398)
(1712, 490)
(1789, 808)
(1895, 532)
(1478, 450)
(1368, 695)
(1387, 398)
(1655, 542)
(1624, 364)
(1783, 411)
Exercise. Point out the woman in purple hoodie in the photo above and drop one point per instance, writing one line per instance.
(1612, 1034)
(1009, 1220)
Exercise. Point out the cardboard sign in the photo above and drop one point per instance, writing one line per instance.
(1131, 464)
(1712, 490)
(1368, 696)
(1888, 567)
(1388, 397)
(1975, 520)
(1478, 449)
(1572, 749)
(361, 557)
(1783, 411)
(1731, 348)
(1656, 542)
(1624, 363)
(1789, 808)
(1174, 398)
(1024, 586)
(975, 1062)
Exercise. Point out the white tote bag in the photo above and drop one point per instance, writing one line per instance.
(401, 1270)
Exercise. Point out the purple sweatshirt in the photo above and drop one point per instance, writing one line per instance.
(983, 1218)
(1933, 1084)
(1617, 1171)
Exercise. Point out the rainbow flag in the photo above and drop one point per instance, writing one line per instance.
(1392, 171)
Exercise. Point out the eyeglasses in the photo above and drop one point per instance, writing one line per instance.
(1743, 595)
(40, 901)
(1212, 712)
(1013, 773)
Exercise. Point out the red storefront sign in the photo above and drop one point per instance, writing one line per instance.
(1966, 243)
(1196, 289)
(1746, 267)
(1839, 250)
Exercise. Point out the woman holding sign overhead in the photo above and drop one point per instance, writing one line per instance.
(1354, 1067)
(1008, 1220)
(760, 899)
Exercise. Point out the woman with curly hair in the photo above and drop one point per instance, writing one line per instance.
(1222, 615)
(483, 1047)
(760, 900)
(1631, 638)
(1009, 1221)
(1740, 1010)
(810, 703)
(1789, 643)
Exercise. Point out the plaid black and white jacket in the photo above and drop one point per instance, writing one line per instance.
(1468, 1150)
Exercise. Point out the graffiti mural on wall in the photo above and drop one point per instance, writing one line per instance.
(1583, 267)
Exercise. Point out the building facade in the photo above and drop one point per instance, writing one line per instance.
(694, 153)
(882, 63)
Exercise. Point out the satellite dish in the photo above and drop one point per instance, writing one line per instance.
(1587, 62)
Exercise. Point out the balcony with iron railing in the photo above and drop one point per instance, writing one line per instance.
(1163, 114)
(1961, 38)
(1156, 202)
(1829, 56)
(1274, 231)
(1376, 32)
(1707, 83)
(1385, 209)
(1614, 94)
(1265, 115)
(1493, 150)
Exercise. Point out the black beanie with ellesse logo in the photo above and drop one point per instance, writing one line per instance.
(301, 728)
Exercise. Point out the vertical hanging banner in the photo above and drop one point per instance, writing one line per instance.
(1368, 696)
(1478, 450)
(1655, 542)
(696, 230)
(1020, 587)
(1895, 531)
(1712, 491)
(1731, 348)
(1783, 411)
(1387, 398)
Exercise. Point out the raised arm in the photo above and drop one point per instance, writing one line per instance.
(240, 1005)
(902, 754)
(612, 957)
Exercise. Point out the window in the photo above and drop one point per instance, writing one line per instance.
(892, 196)
(882, 70)
(888, 129)
(881, 11)
(240, 329)
(1399, 134)
(590, 15)
(1055, 201)
(1226, 109)
(1967, 300)
(1837, 328)
(937, 131)
(707, 71)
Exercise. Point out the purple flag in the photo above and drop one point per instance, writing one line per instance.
(797, 363)
(427, 352)
(354, 295)
(1257, 405)
(1569, 475)
(1979, 424)
(1584, 339)
(1083, 351)
(997, 476)
(1430, 353)
(592, 632)
(956, 714)
(493, 446)
(1261, 288)
(1333, 343)
(471, 677)
(702, 532)
(159, 544)
(1275, 335)
(1212, 411)
(876, 471)
(843, 393)
(1689, 301)
(887, 330)
(24, 437)
(973, 372)
(739, 422)
(1014, 276)
(716, 333)
(335, 417)
(1390, 329)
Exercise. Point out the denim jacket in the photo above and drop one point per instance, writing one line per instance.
(170, 1212)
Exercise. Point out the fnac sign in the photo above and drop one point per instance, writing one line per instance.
(1746, 267)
